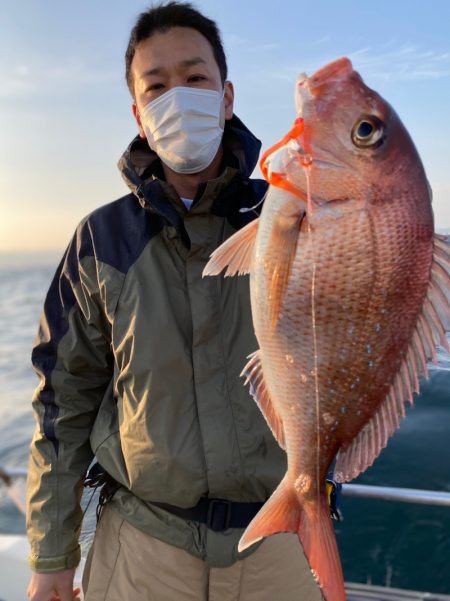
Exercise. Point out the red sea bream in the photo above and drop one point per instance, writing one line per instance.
(350, 293)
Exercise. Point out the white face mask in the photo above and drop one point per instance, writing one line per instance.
(184, 127)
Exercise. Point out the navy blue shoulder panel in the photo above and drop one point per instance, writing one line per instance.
(114, 234)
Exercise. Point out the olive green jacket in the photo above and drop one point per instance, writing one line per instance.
(139, 360)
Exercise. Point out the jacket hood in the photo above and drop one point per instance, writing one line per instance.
(139, 162)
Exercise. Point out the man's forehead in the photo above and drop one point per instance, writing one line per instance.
(175, 43)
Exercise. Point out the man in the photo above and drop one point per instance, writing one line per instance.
(139, 357)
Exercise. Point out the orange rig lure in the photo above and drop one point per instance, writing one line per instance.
(273, 161)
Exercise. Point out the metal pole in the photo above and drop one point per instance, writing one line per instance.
(404, 495)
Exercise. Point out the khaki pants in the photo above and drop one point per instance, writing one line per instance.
(126, 564)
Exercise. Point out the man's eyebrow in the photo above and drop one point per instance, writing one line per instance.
(149, 72)
(189, 62)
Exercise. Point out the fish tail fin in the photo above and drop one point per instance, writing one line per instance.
(283, 512)
(316, 533)
(280, 513)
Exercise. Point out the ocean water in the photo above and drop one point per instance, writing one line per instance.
(384, 543)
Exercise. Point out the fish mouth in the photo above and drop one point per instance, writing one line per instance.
(291, 165)
(328, 78)
(313, 85)
(338, 69)
(307, 91)
(288, 163)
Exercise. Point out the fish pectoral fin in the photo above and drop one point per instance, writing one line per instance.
(283, 512)
(258, 389)
(284, 237)
(236, 253)
(432, 324)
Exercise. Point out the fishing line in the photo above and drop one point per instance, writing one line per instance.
(253, 209)
(306, 167)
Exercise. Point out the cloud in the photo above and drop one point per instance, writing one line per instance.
(390, 62)
(265, 47)
(323, 40)
(406, 62)
(43, 76)
(233, 41)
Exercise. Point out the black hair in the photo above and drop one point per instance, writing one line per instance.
(162, 17)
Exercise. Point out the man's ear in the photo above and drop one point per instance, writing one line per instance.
(138, 120)
(228, 99)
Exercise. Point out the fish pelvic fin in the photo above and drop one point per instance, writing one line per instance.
(258, 389)
(236, 253)
(283, 512)
(432, 324)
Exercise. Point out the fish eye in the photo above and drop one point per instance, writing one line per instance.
(368, 132)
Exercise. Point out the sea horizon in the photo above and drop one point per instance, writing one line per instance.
(45, 257)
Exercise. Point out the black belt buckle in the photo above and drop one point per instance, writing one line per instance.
(219, 515)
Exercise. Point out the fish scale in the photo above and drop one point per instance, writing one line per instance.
(350, 293)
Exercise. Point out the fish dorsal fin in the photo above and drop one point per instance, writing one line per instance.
(431, 326)
(236, 253)
(254, 374)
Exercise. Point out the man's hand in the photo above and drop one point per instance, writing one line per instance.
(56, 586)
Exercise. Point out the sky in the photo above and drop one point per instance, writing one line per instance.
(65, 111)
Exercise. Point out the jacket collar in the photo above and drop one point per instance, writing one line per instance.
(140, 165)
(142, 171)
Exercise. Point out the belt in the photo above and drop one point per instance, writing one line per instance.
(217, 514)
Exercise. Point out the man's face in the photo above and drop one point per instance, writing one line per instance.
(180, 57)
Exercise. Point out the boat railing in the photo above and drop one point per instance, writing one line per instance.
(384, 493)
(390, 493)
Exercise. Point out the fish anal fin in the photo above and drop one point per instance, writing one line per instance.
(258, 389)
(236, 253)
(373, 437)
(368, 443)
(312, 523)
